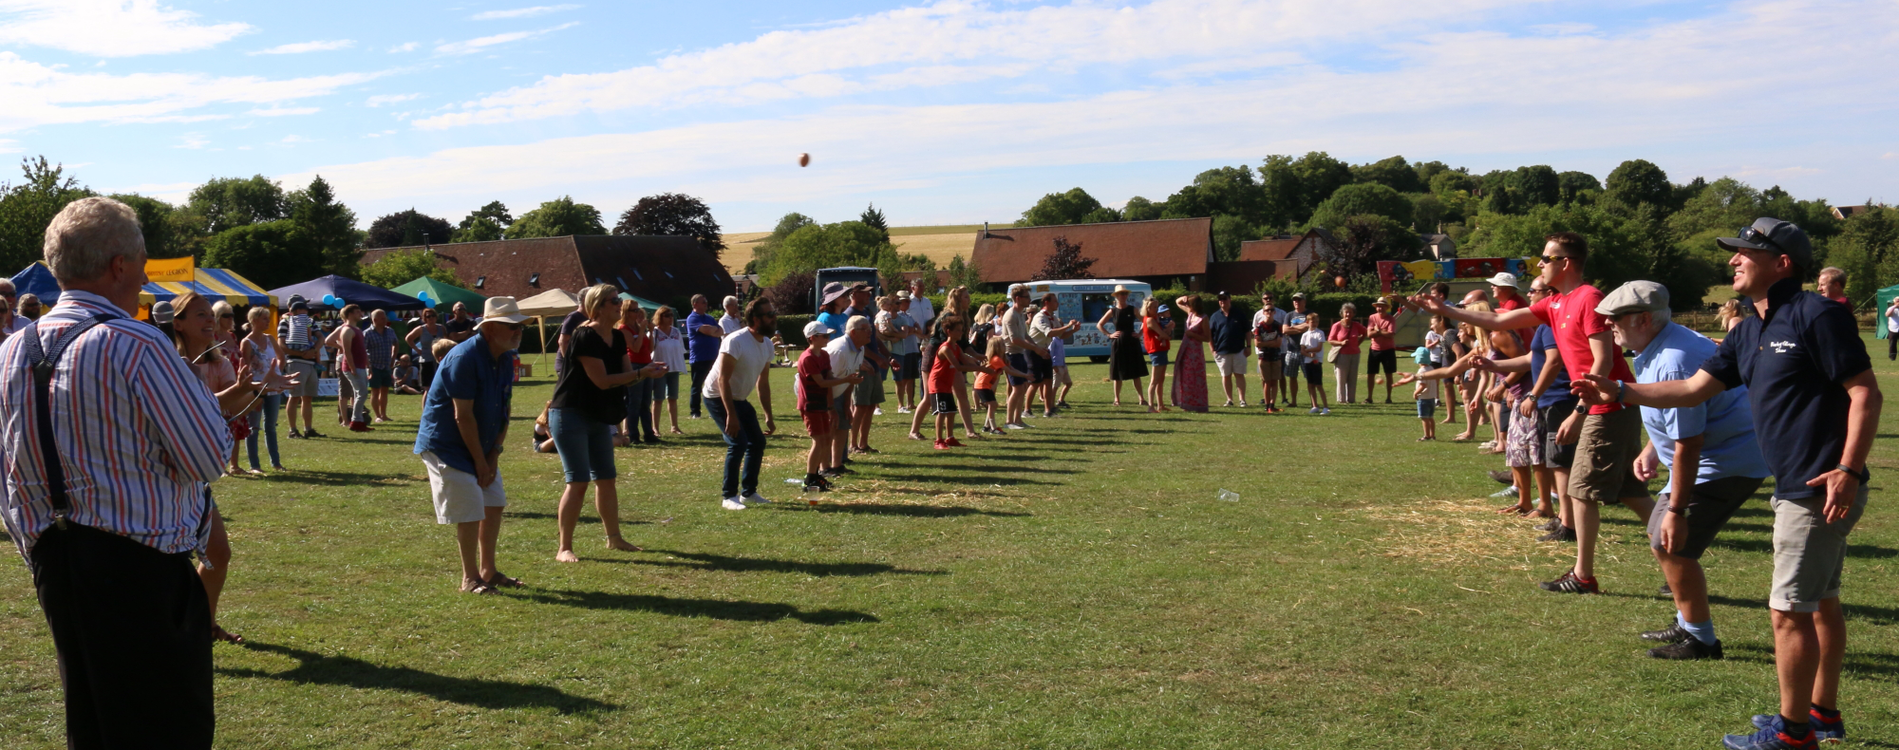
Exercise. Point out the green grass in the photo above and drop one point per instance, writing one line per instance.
(1075, 585)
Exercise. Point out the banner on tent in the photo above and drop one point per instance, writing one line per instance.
(170, 269)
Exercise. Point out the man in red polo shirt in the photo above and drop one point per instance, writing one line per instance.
(1609, 436)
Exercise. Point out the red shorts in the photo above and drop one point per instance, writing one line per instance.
(818, 423)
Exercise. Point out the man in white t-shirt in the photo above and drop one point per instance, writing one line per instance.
(847, 359)
(743, 364)
(733, 320)
(920, 309)
(1892, 330)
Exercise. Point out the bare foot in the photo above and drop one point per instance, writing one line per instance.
(915, 436)
(218, 633)
(677, 431)
(622, 545)
(566, 555)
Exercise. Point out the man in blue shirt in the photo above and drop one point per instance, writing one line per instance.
(703, 335)
(1714, 462)
(464, 425)
(1815, 400)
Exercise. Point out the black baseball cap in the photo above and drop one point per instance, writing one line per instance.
(1773, 235)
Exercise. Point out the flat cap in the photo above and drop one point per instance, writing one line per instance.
(1634, 297)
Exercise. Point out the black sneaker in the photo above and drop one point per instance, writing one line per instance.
(1550, 525)
(1674, 633)
(831, 472)
(295, 435)
(1689, 649)
(1570, 584)
(1563, 534)
(1665, 590)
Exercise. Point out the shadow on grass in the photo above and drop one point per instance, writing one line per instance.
(976, 468)
(912, 511)
(584, 519)
(1855, 551)
(317, 669)
(340, 478)
(975, 480)
(714, 608)
(1867, 612)
(701, 561)
(1871, 663)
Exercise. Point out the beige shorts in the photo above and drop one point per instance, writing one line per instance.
(1809, 553)
(1604, 468)
(458, 497)
(1230, 364)
(1271, 368)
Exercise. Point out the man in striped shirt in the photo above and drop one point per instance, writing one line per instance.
(135, 437)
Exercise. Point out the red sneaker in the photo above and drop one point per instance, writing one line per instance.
(942, 446)
(953, 443)
(360, 427)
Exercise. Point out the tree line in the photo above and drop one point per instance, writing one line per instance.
(1639, 223)
(787, 260)
(277, 237)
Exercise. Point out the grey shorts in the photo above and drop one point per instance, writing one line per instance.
(308, 369)
(1809, 553)
(870, 392)
(841, 407)
(1230, 364)
(1709, 509)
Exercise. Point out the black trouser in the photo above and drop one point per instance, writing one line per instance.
(1892, 345)
(133, 631)
(699, 372)
(428, 375)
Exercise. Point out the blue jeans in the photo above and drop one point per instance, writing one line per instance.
(585, 445)
(747, 446)
(265, 420)
(639, 408)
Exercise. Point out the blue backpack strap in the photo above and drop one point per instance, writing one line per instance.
(43, 364)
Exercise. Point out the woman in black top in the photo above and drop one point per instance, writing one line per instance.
(589, 399)
(1126, 361)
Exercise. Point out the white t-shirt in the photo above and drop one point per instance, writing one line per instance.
(1892, 320)
(846, 357)
(730, 323)
(921, 311)
(749, 354)
(1314, 340)
(1427, 388)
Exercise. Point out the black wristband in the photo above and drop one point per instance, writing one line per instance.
(1864, 475)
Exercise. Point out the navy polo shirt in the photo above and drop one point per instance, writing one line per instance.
(1793, 362)
(1229, 335)
(1540, 344)
(469, 373)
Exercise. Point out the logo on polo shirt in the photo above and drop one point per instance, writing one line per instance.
(1781, 347)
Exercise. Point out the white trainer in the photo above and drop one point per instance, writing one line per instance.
(732, 503)
(753, 498)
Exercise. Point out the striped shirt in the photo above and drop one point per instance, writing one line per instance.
(139, 435)
(382, 347)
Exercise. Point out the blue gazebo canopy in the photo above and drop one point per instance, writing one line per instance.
(38, 281)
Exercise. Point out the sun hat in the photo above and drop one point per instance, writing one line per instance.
(1504, 279)
(1634, 297)
(1119, 289)
(1162, 309)
(1423, 356)
(903, 296)
(815, 328)
(502, 309)
(832, 291)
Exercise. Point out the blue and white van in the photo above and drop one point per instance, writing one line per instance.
(1087, 300)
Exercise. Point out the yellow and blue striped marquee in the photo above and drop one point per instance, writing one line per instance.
(212, 283)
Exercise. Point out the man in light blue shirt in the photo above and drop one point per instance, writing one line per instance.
(1714, 461)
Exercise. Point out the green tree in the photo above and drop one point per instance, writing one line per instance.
(326, 228)
(1228, 232)
(812, 247)
(1224, 190)
(1571, 185)
(1102, 215)
(874, 219)
(1868, 249)
(1365, 239)
(227, 202)
(672, 215)
(155, 219)
(1065, 262)
(558, 218)
(1394, 173)
(1362, 198)
(403, 266)
(407, 229)
(1427, 211)
(1294, 188)
(964, 274)
(484, 224)
(1057, 209)
(1140, 209)
(1638, 181)
(270, 253)
(1537, 185)
(764, 248)
(26, 209)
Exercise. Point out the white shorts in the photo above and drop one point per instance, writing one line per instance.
(458, 497)
(1230, 364)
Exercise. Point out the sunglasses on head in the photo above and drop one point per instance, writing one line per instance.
(1757, 236)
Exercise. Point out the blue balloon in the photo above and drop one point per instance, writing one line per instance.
(329, 300)
(426, 299)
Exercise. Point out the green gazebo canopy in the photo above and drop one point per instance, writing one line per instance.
(445, 295)
(646, 304)
(1879, 315)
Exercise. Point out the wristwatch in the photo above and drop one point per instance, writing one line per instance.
(1864, 475)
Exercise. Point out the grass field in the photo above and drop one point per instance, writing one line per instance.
(938, 243)
(1078, 584)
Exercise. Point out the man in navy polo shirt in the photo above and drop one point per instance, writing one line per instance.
(1816, 402)
(1714, 462)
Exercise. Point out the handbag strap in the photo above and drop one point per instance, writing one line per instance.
(43, 363)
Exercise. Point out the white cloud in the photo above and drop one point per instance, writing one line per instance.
(405, 47)
(109, 28)
(381, 99)
(283, 111)
(302, 47)
(37, 94)
(294, 139)
(958, 41)
(479, 44)
(193, 141)
(10, 146)
(1654, 88)
(538, 10)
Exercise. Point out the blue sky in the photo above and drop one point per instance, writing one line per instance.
(945, 112)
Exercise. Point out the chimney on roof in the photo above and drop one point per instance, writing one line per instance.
(985, 230)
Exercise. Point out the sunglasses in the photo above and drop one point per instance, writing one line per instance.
(1757, 236)
(1552, 258)
(514, 326)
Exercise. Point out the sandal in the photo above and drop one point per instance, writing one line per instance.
(477, 587)
(499, 581)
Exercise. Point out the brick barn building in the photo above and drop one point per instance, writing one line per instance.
(1162, 253)
(668, 270)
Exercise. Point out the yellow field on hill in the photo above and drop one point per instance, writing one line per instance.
(938, 245)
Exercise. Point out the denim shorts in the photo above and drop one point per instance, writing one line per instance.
(1157, 359)
(667, 389)
(585, 446)
(1427, 408)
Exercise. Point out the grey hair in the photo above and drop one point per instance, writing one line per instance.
(1661, 317)
(87, 234)
(857, 322)
(1348, 308)
(730, 300)
(6, 286)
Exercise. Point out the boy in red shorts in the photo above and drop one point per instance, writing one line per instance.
(814, 403)
(943, 374)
